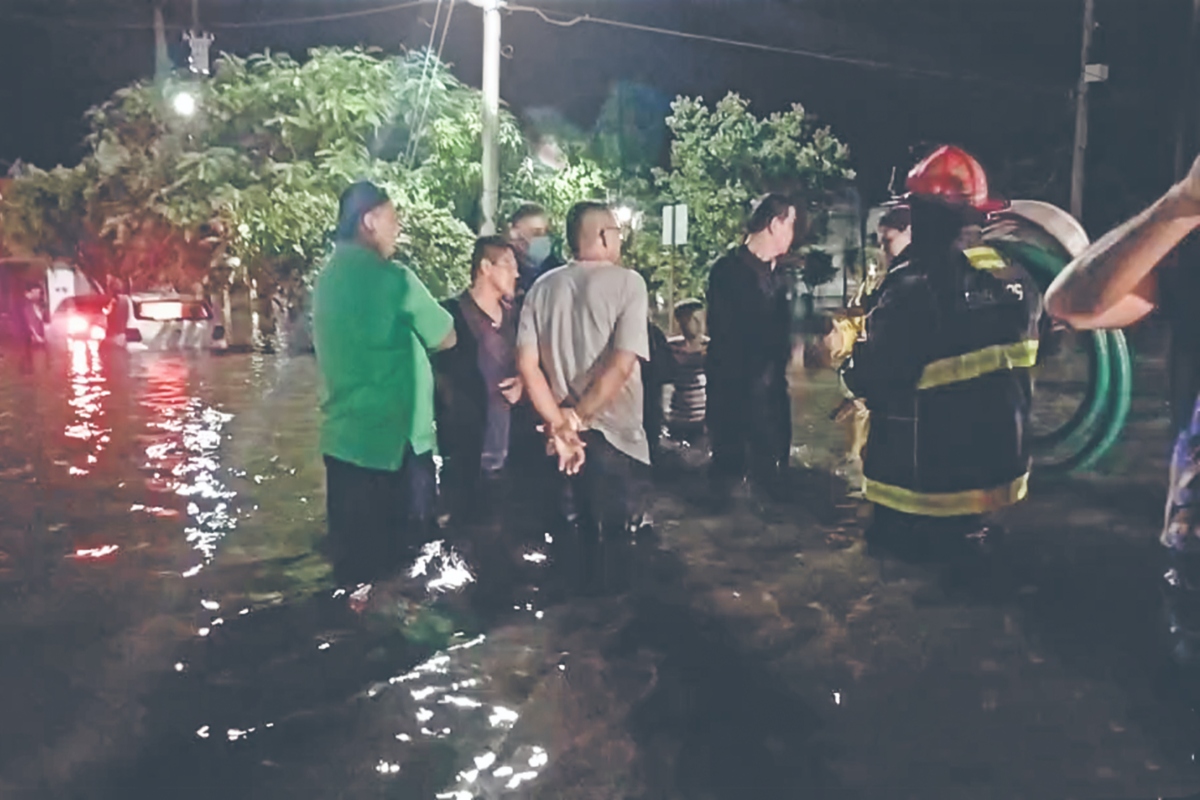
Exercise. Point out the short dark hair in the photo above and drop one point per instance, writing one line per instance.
(489, 247)
(358, 199)
(898, 218)
(525, 211)
(575, 218)
(689, 306)
(768, 208)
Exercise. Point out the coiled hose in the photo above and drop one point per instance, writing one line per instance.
(1093, 429)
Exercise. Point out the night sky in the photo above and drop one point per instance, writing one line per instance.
(1003, 88)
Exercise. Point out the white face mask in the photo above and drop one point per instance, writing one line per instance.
(539, 249)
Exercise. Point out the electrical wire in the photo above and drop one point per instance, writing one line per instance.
(419, 131)
(770, 48)
(138, 26)
(565, 23)
(410, 152)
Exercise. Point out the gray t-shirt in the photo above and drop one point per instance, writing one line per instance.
(576, 315)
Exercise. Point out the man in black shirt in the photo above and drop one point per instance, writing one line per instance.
(479, 414)
(749, 325)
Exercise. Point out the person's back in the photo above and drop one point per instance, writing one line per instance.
(364, 330)
(373, 323)
(582, 311)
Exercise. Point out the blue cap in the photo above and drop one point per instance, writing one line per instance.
(357, 200)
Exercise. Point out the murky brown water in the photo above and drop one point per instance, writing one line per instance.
(169, 628)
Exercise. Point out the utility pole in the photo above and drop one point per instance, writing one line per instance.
(199, 43)
(1081, 112)
(162, 62)
(1186, 125)
(491, 113)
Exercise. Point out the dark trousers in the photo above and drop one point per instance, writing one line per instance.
(751, 433)
(916, 537)
(377, 517)
(608, 498)
(28, 348)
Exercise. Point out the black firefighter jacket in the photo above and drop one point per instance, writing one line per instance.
(944, 365)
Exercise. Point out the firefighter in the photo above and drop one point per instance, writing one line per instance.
(943, 362)
(895, 235)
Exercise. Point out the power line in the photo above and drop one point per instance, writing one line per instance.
(865, 63)
(135, 26)
(426, 78)
(419, 131)
(770, 48)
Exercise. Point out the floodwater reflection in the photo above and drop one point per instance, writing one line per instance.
(768, 657)
(89, 388)
(182, 455)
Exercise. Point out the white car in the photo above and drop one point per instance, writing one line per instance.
(150, 321)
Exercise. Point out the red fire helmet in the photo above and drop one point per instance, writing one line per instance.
(953, 176)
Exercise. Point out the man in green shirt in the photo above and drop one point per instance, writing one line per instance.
(374, 324)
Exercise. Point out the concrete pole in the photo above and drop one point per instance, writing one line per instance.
(1081, 113)
(162, 62)
(491, 115)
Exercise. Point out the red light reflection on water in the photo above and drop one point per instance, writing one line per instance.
(182, 455)
(88, 389)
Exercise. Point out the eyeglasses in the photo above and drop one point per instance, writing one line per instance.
(620, 233)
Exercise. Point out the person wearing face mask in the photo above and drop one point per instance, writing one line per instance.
(529, 234)
(374, 325)
(749, 327)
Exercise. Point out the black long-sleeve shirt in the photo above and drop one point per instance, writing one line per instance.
(749, 323)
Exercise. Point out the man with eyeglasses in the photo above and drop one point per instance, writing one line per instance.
(582, 334)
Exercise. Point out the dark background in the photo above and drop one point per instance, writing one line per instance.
(995, 77)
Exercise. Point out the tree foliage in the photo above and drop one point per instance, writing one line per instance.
(256, 173)
(721, 159)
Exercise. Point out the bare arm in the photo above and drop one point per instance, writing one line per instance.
(607, 384)
(561, 429)
(1112, 284)
(450, 340)
(538, 389)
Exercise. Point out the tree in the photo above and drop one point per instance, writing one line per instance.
(256, 173)
(720, 160)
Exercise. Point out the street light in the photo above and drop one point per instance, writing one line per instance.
(184, 103)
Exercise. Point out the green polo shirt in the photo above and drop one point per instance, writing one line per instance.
(374, 323)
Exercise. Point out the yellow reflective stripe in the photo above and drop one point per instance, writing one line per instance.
(985, 258)
(956, 369)
(946, 504)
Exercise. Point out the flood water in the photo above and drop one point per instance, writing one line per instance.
(170, 629)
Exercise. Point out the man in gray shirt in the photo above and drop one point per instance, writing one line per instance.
(582, 333)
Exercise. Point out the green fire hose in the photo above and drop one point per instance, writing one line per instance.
(1096, 424)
